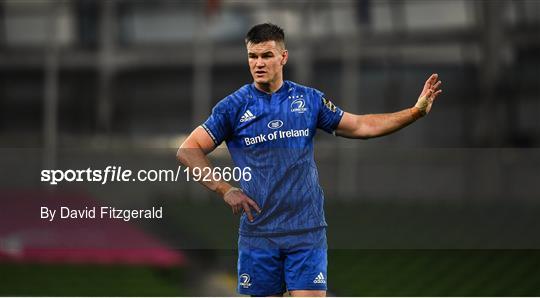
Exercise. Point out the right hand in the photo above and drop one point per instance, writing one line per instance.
(239, 202)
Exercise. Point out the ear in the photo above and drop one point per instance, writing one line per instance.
(284, 57)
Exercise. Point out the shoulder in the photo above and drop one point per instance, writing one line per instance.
(311, 96)
(309, 91)
(235, 100)
(242, 93)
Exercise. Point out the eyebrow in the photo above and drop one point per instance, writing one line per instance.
(265, 53)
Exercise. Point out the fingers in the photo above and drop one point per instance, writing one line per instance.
(436, 86)
(436, 94)
(435, 91)
(247, 211)
(254, 205)
(250, 203)
(240, 202)
(433, 78)
(431, 83)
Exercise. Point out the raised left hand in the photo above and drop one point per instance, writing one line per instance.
(429, 94)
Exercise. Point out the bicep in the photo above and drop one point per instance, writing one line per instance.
(348, 126)
(199, 139)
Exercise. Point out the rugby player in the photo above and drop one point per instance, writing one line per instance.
(269, 126)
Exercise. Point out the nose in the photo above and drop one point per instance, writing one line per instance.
(259, 63)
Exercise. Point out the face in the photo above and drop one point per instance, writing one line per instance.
(266, 60)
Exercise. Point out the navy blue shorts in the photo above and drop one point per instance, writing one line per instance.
(276, 264)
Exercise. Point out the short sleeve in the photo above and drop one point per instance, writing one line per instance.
(329, 114)
(218, 125)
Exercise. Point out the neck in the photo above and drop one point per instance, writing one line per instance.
(269, 87)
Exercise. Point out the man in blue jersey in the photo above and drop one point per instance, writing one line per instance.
(269, 127)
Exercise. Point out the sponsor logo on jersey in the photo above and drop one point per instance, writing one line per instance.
(298, 106)
(319, 279)
(329, 105)
(247, 116)
(244, 280)
(277, 135)
(275, 124)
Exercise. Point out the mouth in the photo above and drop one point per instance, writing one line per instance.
(260, 73)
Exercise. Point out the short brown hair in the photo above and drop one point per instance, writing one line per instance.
(265, 32)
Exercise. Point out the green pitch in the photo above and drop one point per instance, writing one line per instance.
(434, 273)
(72, 280)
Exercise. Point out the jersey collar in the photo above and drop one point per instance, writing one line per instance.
(280, 92)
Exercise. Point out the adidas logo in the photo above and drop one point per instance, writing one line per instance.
(247, 116)
(319, 279)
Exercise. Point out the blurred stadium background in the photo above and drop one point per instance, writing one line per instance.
(88, 83)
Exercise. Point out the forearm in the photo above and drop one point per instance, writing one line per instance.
(376, 125)
(196, 158)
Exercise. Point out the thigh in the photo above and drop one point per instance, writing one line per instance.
(306, 267)
(260, 269)
(308, 293)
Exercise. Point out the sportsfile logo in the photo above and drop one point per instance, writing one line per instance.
(319, 279)
(247, 116)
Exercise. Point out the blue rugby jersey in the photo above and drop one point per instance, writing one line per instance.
(272, 134)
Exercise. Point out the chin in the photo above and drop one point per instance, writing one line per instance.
(260, 80)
